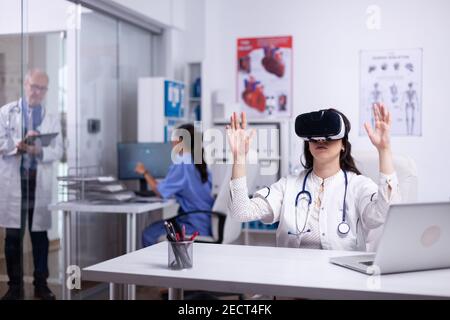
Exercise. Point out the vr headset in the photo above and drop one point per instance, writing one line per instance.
(320, 125)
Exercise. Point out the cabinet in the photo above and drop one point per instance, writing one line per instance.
(161, 108)
(193, 80)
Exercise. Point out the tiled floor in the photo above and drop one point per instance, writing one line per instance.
(89, 290)
(53, 283)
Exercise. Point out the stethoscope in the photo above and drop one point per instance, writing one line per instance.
(9, 125)
(343, 227)
(16, 109)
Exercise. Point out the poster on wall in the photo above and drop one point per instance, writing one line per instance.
(173, 99)
(264, 76)
(394, 78)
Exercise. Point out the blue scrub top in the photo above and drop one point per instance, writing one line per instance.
(183, 181)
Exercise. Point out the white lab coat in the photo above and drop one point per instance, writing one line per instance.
(10, 189)
(366, 207)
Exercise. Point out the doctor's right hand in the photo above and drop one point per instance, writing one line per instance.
(239, 138)
(34, 150)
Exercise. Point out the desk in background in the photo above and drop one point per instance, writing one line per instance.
(130, 209)
(288, 272)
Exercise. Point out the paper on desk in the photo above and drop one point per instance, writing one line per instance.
(74, 178)
(148, 199)
(106, 179)
(97, 186)
(115, 196)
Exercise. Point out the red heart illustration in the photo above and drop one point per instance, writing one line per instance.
(255, 99)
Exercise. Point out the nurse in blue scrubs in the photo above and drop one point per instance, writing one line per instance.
(189, 183)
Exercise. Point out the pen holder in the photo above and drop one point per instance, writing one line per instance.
(180, 254)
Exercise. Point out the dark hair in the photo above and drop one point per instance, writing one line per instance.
(201, 167)
(345, 158)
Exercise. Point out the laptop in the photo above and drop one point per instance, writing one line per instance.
(415, 237)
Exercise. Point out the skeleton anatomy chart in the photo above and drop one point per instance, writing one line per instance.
(393, 78)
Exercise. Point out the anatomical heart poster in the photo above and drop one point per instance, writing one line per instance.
(394, 78)
(264, 76)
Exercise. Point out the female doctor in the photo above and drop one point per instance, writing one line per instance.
(329, 205)
(189, 182)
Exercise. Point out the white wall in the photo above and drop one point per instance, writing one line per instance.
(184, 31)
(193, 37)
(45, 15)
(39, 16)
(170, 13)
(158, 10)
(188, 44)
(328, 36)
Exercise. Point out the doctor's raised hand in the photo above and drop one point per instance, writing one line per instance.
(239, 139)
(380, 137)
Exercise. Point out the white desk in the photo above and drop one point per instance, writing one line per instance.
(274, 271)
(130, 209)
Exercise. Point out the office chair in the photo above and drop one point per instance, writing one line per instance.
(223, 231)
(405, 167)
(217, 223)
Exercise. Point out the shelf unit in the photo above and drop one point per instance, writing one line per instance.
(161, 103)
(268, 231)
(271, 153)
(268, 154)
(250, 232)
(193, 80)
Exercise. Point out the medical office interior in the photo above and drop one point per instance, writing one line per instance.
(108, 69)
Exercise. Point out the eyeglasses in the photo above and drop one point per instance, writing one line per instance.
(36, 88)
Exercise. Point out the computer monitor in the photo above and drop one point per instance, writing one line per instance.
(155, 156)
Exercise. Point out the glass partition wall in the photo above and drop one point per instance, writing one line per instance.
(92, 62)
(32, 101)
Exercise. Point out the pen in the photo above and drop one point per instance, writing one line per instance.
(172, 229)
(170, 236)
(183, 233)
(196, 233)
(177, 236)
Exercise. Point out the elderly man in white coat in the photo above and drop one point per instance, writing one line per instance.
(26, 170)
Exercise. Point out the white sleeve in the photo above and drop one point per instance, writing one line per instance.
(373, 201)
(244, 209)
